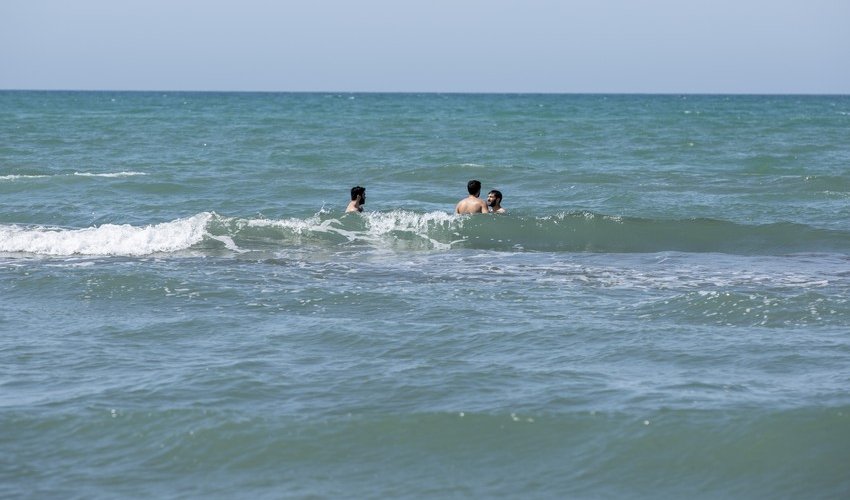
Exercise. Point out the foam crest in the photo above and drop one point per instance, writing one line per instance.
(297, 226)
(109, 174)
(425, 226)
(21, 177)
(401, 220)
(108, 239)
(434, 230)
(13, 177)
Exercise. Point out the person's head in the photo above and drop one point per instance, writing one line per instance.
(494, 198)
(358, 190)
(474, 187)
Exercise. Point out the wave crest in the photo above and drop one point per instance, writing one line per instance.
(108, 239)
(24, 177)
(405, 230)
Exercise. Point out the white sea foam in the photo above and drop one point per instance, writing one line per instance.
(15, 177)
(383, 223)
(298, 226)
(400, 220)
(109, 174)
(378, 226)
(228, 243)
(18, 177)
(108, 239)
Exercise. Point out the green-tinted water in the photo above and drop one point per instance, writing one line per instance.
(186, 311)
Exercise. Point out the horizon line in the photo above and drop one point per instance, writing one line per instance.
(431, 92)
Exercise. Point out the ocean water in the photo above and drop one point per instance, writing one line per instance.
(186, 311)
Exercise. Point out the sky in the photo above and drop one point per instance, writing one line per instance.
(548, 46)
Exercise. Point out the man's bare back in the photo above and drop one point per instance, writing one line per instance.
(471, 205)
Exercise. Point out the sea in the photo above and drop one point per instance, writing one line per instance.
(186, 310)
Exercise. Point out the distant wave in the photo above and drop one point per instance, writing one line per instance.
(18, 177)
(114, 174)
(434, 231)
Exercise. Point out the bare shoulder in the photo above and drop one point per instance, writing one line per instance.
(465, 206)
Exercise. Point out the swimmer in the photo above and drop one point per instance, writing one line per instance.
(472, 204)
(358, 199)
(494, 200)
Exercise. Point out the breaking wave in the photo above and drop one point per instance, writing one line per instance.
(108, 239)
(208, 232)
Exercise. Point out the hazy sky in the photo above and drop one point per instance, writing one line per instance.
(678, 46)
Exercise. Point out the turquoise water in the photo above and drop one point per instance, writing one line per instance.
(187, 312)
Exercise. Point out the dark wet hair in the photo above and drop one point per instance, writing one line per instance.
(357, 190)
(497, 193)
(473, 186)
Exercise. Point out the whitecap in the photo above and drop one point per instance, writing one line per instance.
(108, 239)
(109, 174)
(380, 224)
(376, 229)
(13, 177)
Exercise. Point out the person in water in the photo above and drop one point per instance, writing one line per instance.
(472, 204)
(494, 200)
(358, 199)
